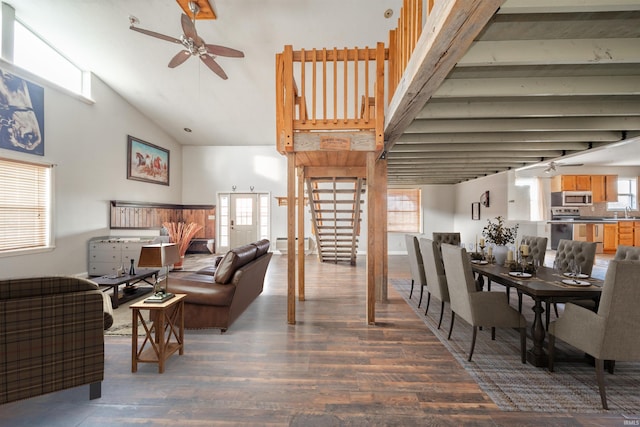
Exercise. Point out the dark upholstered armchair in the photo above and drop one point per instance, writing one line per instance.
(612, 332)
(450, 238)
(479, 309)
(415, 265)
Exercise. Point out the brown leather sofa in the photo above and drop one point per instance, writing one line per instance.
(217, 297)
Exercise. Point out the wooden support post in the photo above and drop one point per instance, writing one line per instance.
(381, 230)
(371, 238)
(291, 236)
(301, 255)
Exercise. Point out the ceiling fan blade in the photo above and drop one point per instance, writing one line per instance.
(156, 35)
(223, 51)
(213, 65)
(180, 57)
(188, 28)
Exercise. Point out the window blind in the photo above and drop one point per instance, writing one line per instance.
(25, 205)
(403, 210)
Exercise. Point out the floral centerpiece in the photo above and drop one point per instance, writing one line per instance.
(500, 235)
(181, 234)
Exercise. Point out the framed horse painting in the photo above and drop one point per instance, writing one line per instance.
(147, 162)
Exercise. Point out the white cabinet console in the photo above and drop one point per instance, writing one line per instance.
(107, 254)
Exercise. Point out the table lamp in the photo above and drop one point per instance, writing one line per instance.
(159, 256)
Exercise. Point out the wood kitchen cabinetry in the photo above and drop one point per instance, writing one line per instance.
(636, 233)
(625, 233)
(604, 188)
(610, 238)
(571, 183)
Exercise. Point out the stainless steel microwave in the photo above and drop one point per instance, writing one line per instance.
(572, 198)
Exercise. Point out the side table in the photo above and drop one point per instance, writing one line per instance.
(164, 335)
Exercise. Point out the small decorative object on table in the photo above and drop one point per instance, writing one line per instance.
(132, 269)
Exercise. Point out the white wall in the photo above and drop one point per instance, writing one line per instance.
(88, 143)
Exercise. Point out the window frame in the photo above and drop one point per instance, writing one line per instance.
(414, 196)
(632, 194)
(45, 195)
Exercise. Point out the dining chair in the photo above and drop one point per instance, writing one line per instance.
(537, 251)
(583, 254)
(416, 267)
(434, 272)
(623, 252)
(450, 238)
(478, 308)
(611, 333)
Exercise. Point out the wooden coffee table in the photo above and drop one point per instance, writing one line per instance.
(113, 282)
(164, 331)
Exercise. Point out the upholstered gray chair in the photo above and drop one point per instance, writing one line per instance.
(476, 307)
(612, 332)
(631, 253)
(434, 271)
(582, 253)
(415, 265)
(450, 238)
(537, 252)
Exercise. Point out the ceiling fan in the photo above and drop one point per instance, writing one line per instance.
(193, 44)
(552, 166)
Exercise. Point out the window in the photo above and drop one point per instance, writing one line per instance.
(223, 220)
(403, 210)
(25, 206)
(627, 195)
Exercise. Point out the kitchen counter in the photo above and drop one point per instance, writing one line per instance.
(590, 220)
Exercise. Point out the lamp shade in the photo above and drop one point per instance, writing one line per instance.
(158, 255)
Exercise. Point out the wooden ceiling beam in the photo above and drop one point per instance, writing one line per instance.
(410, 139)
(205, 12)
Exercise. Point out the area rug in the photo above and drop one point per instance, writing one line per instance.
(514, 386)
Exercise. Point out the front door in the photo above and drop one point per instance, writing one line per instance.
(243, 219)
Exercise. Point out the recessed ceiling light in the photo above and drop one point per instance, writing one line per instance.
(188, 130)
(388, 13)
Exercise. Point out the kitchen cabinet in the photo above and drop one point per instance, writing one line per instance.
(604, 188)
(636, 233)
(625, 233)
(571, 183)
(610, 238)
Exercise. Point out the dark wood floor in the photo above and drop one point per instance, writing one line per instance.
(328, 369)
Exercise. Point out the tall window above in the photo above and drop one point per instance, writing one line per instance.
(403, 210)
(627, 195)
(25, 206)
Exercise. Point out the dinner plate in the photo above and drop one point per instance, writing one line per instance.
(576, 276)
(519, 274)
(574, 282)
(479, 261)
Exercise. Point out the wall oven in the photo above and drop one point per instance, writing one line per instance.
(571, 198)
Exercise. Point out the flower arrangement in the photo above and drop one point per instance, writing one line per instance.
(181, 234)
(498, 233)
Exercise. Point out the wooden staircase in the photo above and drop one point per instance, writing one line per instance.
(336, 214)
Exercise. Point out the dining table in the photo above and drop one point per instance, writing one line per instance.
(544, 285)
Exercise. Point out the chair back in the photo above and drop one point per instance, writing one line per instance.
(537, 248)
(457, 268)
(450, 238)
(619, 304)
(415, 260)
(434, 269)
(627, 252)
(583, 253)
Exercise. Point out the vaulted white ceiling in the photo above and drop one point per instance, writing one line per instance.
(545, 79)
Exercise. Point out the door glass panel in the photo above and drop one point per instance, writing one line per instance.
(244, 211)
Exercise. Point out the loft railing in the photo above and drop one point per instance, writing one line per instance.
(403, 40)
(322, 90)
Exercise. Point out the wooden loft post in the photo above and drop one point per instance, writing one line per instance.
(291, 238)
(371, 238)
(381, 230)
(301, 254)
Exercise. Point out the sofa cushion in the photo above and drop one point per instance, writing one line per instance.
(201, 290)
(262, 246)
(233, 260)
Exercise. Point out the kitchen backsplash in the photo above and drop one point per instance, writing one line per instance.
(600, 210)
